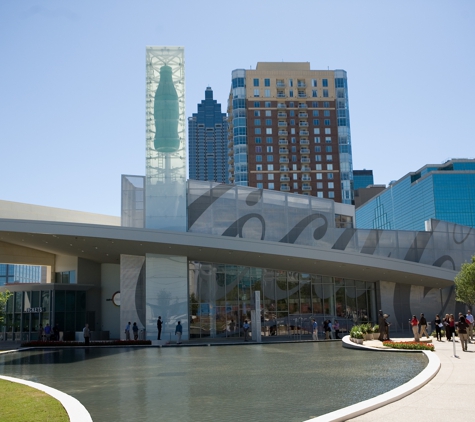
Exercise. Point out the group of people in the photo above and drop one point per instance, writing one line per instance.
(134, 328)
(419, 327)
(328, 328)
(48, 333)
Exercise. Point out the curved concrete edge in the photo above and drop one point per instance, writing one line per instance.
(429, 372)
(348, 344)
(76, 411)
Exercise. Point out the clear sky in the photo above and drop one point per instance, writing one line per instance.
(72, 81)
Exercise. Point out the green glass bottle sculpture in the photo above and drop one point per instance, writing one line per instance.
(166, 113)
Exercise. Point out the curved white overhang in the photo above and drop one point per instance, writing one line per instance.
(105, 244)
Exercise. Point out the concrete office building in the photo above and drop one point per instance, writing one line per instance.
(208, 142)
(436, 191)
(290, 130)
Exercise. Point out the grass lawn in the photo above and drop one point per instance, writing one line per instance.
(20, 403)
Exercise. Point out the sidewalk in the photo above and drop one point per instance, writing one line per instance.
(446, 397)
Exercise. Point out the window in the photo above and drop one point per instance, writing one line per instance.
(324, 82)
(326, 104)
(266, 82)
(314, 82)
(318, 148)
(319, 185)
(256, 93)
(291, 82)
(316, 131)
(314, 93)
(296, 185)
(294, 158)
(270, 167)
(257, 130)
(330, 158)
(331, 185)
(258, 158)
(328, 148)
(270, 158)
(292, 113)
(325, 93)
(258, 149)
(268, 131)
(292, 131)
(257, 113)
(319, 176)
(328, 139)
(331, 194)
(257, 122)
(319, 194)
(293, 148)
(317, 139)
(268, 122)
(268, 113)
(258, 140)
(269, 140)
(318, 158)
(291, 92)
(267, 104)
(271, 186)
(270, 176)
(292, 122)
(314, 104)
(267, 93)
(318, 166)
(329, 166)
(291, 104)
(269, 149)
(260, 186)
(330, 176)
(258, 167)
(315, 113)
(295, 176)
(293, 140)
(257, 104)
(259, 176)
(316, 122)
(256, 82)
(328, 131)
(326, 113)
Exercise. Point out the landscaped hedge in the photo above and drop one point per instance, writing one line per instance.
(409, 345)
(91, 343)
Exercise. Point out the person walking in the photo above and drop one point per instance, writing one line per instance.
(438, 327)
(178, 332)
(86, 332)
(415, 327)
(159, 327)
(336, 328)
(423, 324)
(48, 332)
(314, 330)
(452, 326)
(245, 328)
(462, 329)
(469, 320)
(135, 329)
(127, 331)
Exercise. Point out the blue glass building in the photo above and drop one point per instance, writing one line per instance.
(207, 142)
(362, 179)
(442, 192)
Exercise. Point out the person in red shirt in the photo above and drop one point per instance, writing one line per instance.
(415, 327)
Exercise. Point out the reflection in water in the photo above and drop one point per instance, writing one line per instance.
(273, 382)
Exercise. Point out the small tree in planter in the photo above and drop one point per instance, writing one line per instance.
(359, 337)
(376, 332)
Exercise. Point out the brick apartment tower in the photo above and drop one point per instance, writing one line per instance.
(289, 130)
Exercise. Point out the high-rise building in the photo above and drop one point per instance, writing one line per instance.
(362, 179)
(290, 130)
(443, 192)
(208, 142)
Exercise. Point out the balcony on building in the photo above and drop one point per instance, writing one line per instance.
(230, 144)
(284, 178)
(301, 84)
(231, 160)
(305, 160)
(281, 123)
(306, 178)
(280, 94)
(303, 124)
(283, 142)
(230, 152)
(304, 142)
(303, 133)
(283, 160)
(282, 133)
(285, 188)
(305, 168)
(302, 94)
(281, 105)
(302, 105)
(304, 151)
(282, 114)
(303, 114)
(283, 151)
(306, 187)
(280, 84)
(284, 168)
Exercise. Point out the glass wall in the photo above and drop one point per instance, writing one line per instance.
(221, 298)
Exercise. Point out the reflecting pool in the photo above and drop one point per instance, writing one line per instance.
(272, 382)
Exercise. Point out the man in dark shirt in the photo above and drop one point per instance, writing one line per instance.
(423, 325)
(159, 327)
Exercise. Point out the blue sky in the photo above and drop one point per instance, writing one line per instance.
(72, 81)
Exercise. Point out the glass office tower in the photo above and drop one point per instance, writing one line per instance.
(165, 202)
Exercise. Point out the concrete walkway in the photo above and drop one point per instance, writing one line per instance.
(446, 397)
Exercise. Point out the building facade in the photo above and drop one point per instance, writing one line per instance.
(208, 142)
(442, 192)
(362, 179)
(290, 130)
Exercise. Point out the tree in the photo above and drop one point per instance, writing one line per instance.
(3, 302)
(465, 283)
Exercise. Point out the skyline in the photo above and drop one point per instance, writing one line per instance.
(72, 83)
